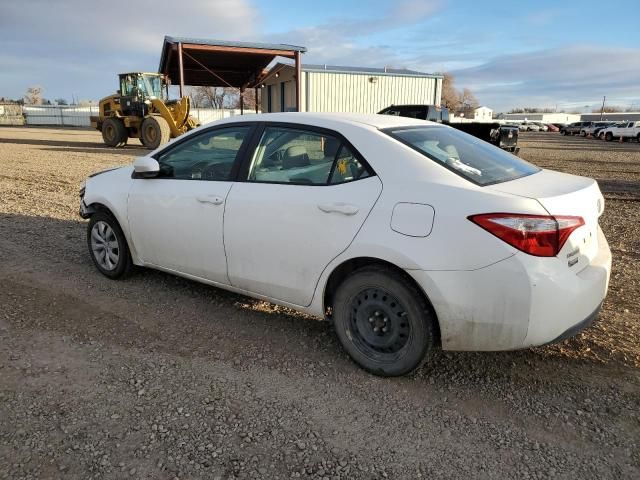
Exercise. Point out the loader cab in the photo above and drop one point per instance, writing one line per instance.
(137, 88)
(143, 85)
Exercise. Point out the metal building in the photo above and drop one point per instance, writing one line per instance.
(325, 88)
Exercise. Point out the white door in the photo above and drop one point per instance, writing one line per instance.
(176, 218)
(306, 196)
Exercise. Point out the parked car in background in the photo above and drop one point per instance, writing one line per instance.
(623, 131)
(529, 127)
(503, 136)
(552, 127)
(597, 131)
(543, 126)
(590, 129)
(574, 128)
(385, 225)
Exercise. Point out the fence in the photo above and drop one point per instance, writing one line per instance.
(11, 114)
(73, 116)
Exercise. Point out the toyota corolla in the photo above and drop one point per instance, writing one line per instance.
(407, 235)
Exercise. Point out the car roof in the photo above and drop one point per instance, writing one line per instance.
(368, 119)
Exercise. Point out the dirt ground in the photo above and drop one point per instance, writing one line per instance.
(157, 377)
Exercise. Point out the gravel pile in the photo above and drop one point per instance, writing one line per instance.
(157, 377)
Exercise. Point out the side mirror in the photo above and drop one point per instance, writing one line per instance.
(146, 167)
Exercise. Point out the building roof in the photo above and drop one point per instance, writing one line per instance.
(367, 70)
(220, 63)
(228, 43)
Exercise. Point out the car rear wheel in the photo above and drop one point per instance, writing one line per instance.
(108, 246)
(383, 321)
(114, 133)
(608, 136)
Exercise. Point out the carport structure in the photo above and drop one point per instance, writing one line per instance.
(218, 63)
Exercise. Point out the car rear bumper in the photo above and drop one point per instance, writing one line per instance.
(519, 302)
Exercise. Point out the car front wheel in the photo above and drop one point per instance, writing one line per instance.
(383, 321)
(108, 246)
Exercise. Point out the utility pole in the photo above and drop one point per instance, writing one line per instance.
(602, 109)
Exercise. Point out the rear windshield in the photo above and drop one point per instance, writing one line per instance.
(468, 156)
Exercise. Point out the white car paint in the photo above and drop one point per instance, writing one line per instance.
(623, 130)
(281, 242)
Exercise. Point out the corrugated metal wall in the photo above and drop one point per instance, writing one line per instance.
(352, 92)
(348, 92)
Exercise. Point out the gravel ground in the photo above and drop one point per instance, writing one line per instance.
(158, 377)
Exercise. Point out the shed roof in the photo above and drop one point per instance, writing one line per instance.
(368, 70)
(220, 63)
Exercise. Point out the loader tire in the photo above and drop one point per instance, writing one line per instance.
(114, 133)
(155, 131)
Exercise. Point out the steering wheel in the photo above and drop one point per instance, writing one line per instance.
(209, 171)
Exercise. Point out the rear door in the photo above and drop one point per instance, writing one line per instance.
(306, 194)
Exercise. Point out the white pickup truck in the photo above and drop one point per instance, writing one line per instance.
(624, 130)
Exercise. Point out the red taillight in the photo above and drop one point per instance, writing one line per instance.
(539, 235)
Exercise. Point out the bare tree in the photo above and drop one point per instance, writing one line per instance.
(468, 100)
(250, 99)
(608, 109)
(33, 96)
(450, 96)
(212, 97)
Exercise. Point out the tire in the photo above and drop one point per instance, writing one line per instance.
(154, 132)
(601, 136)
(114, 133)
(638, 138)
(608, 136)
(583, 133)
(108, 246)
(376, 298)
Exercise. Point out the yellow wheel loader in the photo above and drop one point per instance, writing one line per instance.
(141, 109)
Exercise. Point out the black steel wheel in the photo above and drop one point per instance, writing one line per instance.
(383, 321)
(114, 133)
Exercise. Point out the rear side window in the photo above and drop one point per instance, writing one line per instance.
(301, 157)
(468, 156)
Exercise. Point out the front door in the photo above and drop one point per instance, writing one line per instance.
(305, 197)
(176, 218)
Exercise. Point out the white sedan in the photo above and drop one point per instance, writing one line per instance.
(407, 235)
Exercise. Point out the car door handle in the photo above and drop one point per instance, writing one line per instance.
(343, 208)
(214, 199)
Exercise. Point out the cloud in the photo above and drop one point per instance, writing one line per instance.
(567, 75)
(79, 45)
(340, 41)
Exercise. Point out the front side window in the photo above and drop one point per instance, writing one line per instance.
(287, 155)
(468, 156)
(207, 156)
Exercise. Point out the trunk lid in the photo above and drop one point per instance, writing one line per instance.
(564, 194)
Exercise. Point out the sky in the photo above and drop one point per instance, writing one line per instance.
(510, 54)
